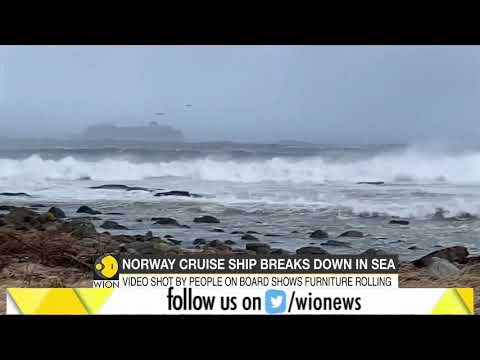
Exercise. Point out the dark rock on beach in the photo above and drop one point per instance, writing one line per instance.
(165, 221)
(237, 233)
(87, 210)
(177, 193)
(249, 237)
(57, 212)
(217, 230)
(218, 244)
(6, 207)
(311, 250)
(206, 219)
(399, 222)
(319, 234)
(253, 232)
(371, 182)
(80, 228)
(230, 242)
(115, 213)
(112, 225)
(259, 248)
(15, 194)
(336, 243)
(454, 254)
(199, 242)
(351, 233)
(119, 187)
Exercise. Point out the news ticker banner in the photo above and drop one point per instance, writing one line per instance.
(195, 284)
(240, 301)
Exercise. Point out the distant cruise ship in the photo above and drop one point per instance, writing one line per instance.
(153, 132)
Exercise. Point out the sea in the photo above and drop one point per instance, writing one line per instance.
(281, 191)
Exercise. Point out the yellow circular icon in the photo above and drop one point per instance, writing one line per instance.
(107, 267)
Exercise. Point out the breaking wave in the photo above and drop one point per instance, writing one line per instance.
(407, 167)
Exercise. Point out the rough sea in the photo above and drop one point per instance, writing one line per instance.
(285, 189)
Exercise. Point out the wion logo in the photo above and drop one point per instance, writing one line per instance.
(106, 272)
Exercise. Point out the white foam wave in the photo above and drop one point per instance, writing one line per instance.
(410, 166)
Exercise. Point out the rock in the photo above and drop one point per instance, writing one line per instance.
(373, 252)
(175, 242)
(311, 250)
(168, 236)
(138, 188)
(277, 251)
(237, 233)
(139, 220)
(294, 232)
(199, 242)
(217, 230)
(21, 215)
(399, 222)
(112, 225)
(142, 247)
(272, 235)
(57, 212)
(37, 205)
(253, 232)
(249, 237)
(351, 233)
(165, 221)
(80, 228)
(319, 234)
(206, 219)
(336, 243)
(174, 193)
(115, 213)
(47, 217)
(219, 245)
(6, 207)
(15, 194)
(453, 254)
(259, 248)
(148, 236)
(371, 182)
(441, 268)
(230, 242)
(87, 210)
(414, 247)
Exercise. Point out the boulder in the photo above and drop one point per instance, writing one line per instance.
(206, 219)
(278, 251)
(6, 207)
(80, 228)
(319, 234)
(110, 187)
(57, 212)
(87, 210)
(217, 230)
(399, 222)
(440, 268)
(253, 232)
(199, 242)
(259, 248)
(230, 242)
(165, 221)
(237, 233)
(311, 250)
(112, 225)
(336, 243)
(351, 233)
(219, 245)
(249, 237)
(454, 254)
(21, 215)
(15, 194)
(174, 193)
(115, 213)
(371, 182)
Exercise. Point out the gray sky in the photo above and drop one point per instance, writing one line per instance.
(328, 94)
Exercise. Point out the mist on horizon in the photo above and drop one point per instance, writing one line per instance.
(320, 94)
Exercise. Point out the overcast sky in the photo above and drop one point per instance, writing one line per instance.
(327, 94)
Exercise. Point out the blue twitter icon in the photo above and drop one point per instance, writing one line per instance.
(275, 301)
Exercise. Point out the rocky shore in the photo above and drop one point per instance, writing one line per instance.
(41, 247)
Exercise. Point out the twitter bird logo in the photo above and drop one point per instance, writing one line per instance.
(275, 301)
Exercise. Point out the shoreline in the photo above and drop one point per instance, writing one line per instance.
(43, 248)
